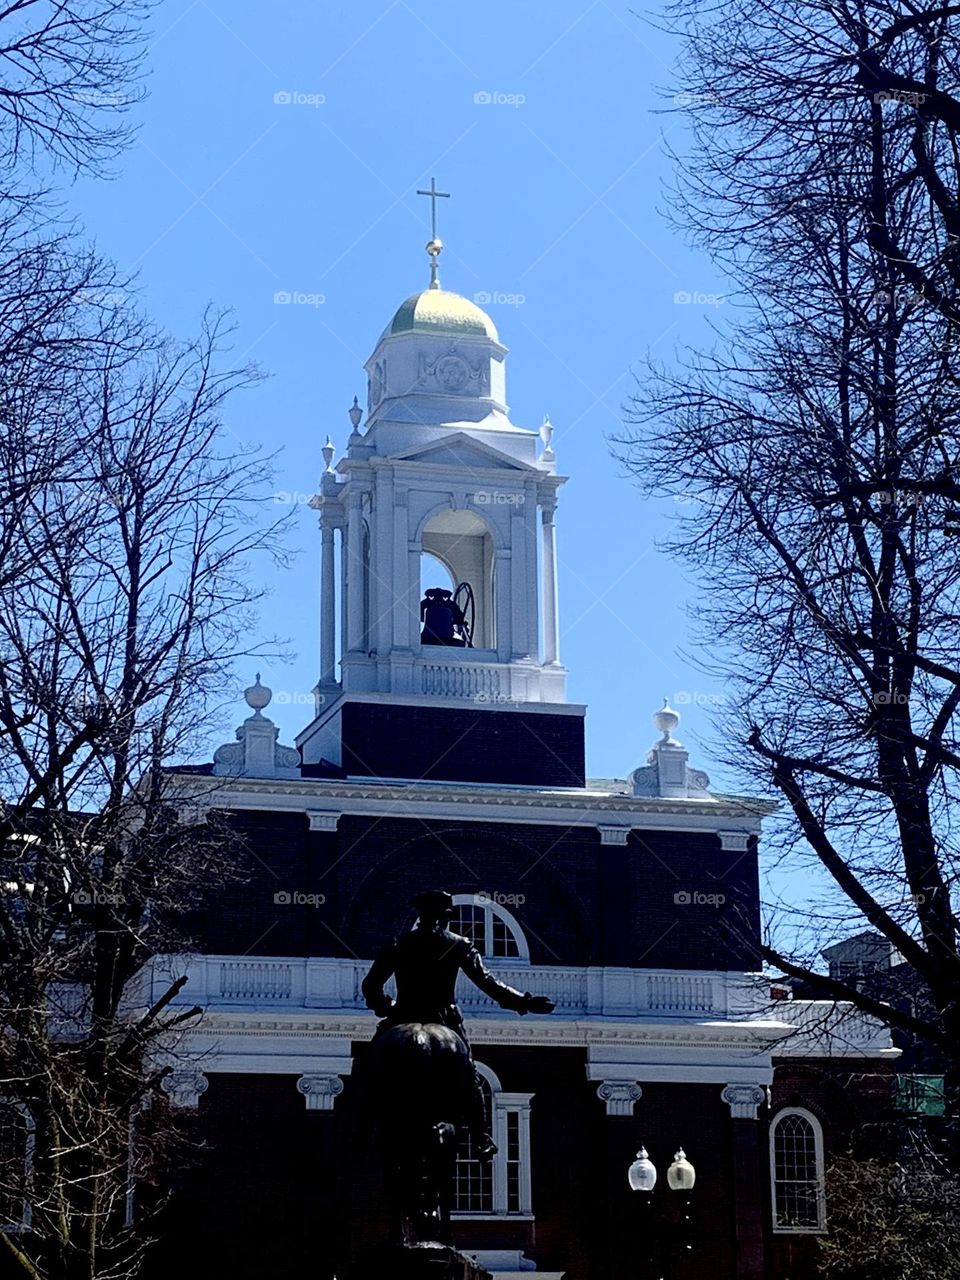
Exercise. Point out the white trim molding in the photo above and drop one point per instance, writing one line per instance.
(621, 1096)
(744, 1100)
(320, 1092)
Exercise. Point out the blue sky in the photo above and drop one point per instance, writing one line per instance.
(546, 121)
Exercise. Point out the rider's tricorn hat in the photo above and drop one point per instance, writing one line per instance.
(433, 900)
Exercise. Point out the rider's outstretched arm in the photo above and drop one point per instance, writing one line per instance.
(505, 996)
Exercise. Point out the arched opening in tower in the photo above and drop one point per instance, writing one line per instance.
(457, 548)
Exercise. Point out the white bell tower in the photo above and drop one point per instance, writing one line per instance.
(437, 470)
(440, 470)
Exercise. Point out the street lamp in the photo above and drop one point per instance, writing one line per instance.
(642, 1174)
(681, 1176)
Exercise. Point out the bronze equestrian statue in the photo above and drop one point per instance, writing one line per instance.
(425, 1087)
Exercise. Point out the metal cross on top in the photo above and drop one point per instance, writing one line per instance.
(434, 195)
(435, 245)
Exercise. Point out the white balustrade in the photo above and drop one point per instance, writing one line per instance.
(461, 680)
(224, 982)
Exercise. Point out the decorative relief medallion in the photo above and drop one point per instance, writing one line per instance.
(452, 372)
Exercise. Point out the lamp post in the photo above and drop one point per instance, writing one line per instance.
(642, 1176)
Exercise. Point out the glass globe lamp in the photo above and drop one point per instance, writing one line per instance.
(642, 1174)
(681, 1175)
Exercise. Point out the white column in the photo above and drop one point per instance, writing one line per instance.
(328, 607)
(353, 557)
(522, 573)
(406, 564)
(551, 620)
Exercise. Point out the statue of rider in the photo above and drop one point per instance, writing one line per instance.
(426, 961)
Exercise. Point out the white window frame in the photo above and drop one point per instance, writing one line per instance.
(817, 1131)
(26, 1218)
(501, 1104)
(493, 910)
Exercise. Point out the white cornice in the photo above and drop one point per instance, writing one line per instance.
(470, 803)
(751, 1036)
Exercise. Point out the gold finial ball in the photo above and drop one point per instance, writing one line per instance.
(433, 247)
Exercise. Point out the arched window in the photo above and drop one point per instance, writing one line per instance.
(16, 1160)
(490, 927)
(796, 1171)
(500, 1187)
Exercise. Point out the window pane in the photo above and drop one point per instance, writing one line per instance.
(473, 1192)
(504, 943)
(513, 1161)
(796, 1175)
(468, 922)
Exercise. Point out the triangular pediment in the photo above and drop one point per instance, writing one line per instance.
(462, 450)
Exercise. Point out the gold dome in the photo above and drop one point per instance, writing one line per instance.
(438, 311)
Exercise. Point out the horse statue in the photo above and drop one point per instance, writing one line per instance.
(421, 1076)
(423, 1085)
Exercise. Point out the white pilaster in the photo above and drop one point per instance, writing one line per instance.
(621, 1096)
(328, 608)
(184, 1088)
(743, 1100)
(353, 558)
(551, 619)
(320, 1092)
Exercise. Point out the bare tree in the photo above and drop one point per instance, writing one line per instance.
(127, 601)
(887, 1220)
(782, 96)
(815, 447)
(69, 71)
